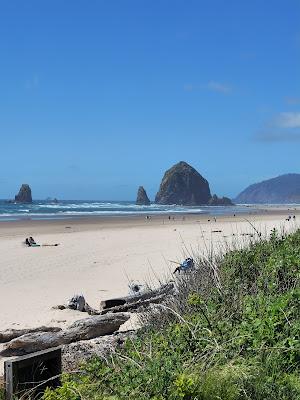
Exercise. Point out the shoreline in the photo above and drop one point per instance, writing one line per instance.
(249, 210)
(108, 213)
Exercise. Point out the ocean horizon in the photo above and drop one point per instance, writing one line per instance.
(68, 209)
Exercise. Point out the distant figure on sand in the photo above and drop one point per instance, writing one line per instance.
(187, 264)
(31, 242)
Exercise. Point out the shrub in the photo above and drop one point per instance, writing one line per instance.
(231, 333)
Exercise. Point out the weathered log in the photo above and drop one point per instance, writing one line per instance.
(10, 334)
(87, 308)
(129, 307)
(84, 329)
(123, 301)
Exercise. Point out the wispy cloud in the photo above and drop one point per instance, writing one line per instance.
(73, 167)
(188, 87)
(212, 86)
(288, 120)
(278, 136)
(218, 87)
(292, 100)
(284, 127)
(248, 55)
(32, 83)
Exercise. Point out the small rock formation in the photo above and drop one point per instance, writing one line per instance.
(220, 201)
(142, 199)
(183, 185)
(24, 195)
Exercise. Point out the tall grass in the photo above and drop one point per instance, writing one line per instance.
(231, 332)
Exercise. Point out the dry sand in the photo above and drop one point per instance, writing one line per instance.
(99, 257)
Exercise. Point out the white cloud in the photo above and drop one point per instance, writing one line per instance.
(292, 100)
(284, 127)
(218, 87)
(189, 87)
(32, 83)
(278, 136)
(288, 120)
(213, 86)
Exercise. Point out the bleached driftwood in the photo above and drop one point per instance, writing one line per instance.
(129, 307)
(84, 329)
(10, 334)
(135, 301)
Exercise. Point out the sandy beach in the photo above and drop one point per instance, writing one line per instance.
(98, 257)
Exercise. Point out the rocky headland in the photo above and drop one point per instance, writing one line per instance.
(279, 190)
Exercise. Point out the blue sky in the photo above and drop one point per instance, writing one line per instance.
(99, 97)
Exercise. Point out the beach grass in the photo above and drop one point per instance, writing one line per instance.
(230, 333)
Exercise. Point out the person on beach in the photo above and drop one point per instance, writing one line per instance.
(31, 240)
(186, 265)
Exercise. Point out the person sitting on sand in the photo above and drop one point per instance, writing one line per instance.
(31, 240)
(187, 264)
(31, 243)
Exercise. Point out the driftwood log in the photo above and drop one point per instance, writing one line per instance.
(129, 307)
(84, 329)
(133, 302)
(10, 334)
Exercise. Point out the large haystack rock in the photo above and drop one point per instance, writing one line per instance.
(142, 199)
(183, 185)
(24, 195)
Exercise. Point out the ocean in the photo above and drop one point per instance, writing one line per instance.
(67, 209)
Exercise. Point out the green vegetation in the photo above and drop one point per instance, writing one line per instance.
(231, 333)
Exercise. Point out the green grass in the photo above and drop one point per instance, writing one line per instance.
(232, 333)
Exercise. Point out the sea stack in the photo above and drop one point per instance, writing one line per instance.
(183, 185)
(24, 195)
(142, 199)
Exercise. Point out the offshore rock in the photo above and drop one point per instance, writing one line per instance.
(220, 201)
(142, 199)
(24, 195)
(183, 185)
